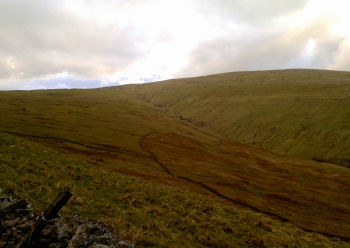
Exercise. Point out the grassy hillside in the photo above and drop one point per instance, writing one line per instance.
(149, 213)
(303, 113)
(131, 131)
(89, 122)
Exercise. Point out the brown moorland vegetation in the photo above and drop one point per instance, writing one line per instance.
(135, 130)
(148, 212)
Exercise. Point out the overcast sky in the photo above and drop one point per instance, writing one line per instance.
(96, 43)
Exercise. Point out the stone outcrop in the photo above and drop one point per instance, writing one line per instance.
(17, 220)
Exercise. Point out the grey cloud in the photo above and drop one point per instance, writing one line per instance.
(43, 38)
(341, 57)
(251, 11)
(261, 50)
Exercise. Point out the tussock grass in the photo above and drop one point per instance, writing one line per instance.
(150, 213)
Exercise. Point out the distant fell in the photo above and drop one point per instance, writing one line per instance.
(303, 113)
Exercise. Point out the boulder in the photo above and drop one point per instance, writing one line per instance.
(17, 219)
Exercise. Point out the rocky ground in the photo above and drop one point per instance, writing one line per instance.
(17, 220)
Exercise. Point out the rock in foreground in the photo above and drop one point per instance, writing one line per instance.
(17, 219)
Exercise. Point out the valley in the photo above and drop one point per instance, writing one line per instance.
(272, 142)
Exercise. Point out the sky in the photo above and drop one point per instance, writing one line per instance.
(47, 44)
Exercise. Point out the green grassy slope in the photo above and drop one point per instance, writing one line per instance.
(92, 117)
(151, 214)
(93, 120)
(304, 113)
(127, 130)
